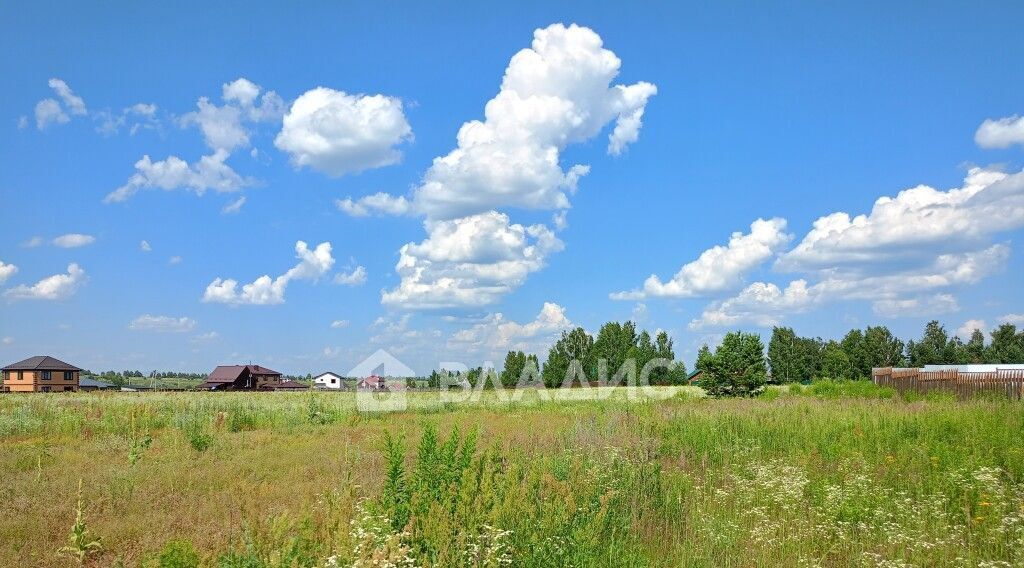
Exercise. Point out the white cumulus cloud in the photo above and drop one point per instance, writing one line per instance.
(894, 294)
(338, 133)
(338, 324)
(379, 202)
(225, 127)
(915, 223)
(6, 271)
(313, 263)
(1001, 132)
(56, 287)
(763, 304)
(496, 333)
(556, 93)
(210, 173)
(968, 327)
(48, 112)
(1015, 319)
(170, 324)
(920, 306)
(355, 277)
(720, 267)
(72, 102)
(73, 240)
(471, 261)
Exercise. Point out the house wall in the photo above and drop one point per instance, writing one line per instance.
(267, 380)
(325, 381)
(33, 381)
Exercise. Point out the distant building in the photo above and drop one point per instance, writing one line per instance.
(329, 381)
(241, 377)
(977, 367)
(373, 382)
(694, 377)
(91, 384)
(40, 374)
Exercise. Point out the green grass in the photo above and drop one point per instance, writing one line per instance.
(832, 474)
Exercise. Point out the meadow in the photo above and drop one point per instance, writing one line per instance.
(843, 474)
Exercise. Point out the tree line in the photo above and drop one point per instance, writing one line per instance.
(584, 358)
(739, 365)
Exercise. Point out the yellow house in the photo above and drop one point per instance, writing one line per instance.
(40, 374)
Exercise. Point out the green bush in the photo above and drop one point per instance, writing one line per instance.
(195, 432)
(178, 554)
(770, 393)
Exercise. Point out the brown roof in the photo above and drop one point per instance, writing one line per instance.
(41, 363)
(286, 385)
(229, 373)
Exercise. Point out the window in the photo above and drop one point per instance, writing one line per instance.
(19, 375)
(334, 381)
(69, 375)
(46, 375)
(46, 388)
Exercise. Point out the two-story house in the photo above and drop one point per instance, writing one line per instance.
(241, 377)
(41, 373)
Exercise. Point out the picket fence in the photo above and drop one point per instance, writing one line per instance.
(1002, 382)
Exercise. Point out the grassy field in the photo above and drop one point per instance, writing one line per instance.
(821, 476)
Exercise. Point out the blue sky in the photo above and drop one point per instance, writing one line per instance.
(630, 145)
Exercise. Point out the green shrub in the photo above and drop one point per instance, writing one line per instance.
(178, 554)
(770, 393)
(196, 433)
(317, 412)
(139, 447)
(241, 418)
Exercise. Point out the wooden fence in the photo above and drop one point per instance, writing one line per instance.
(1003, 382)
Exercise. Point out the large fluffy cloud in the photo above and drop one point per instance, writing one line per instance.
(556, 93)
(901, 293)
(915, 223)
(338, 133)
(313, 263)
(210, 173)
(471, 261)
(720, 267)
(904, 256)
(56, 287)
